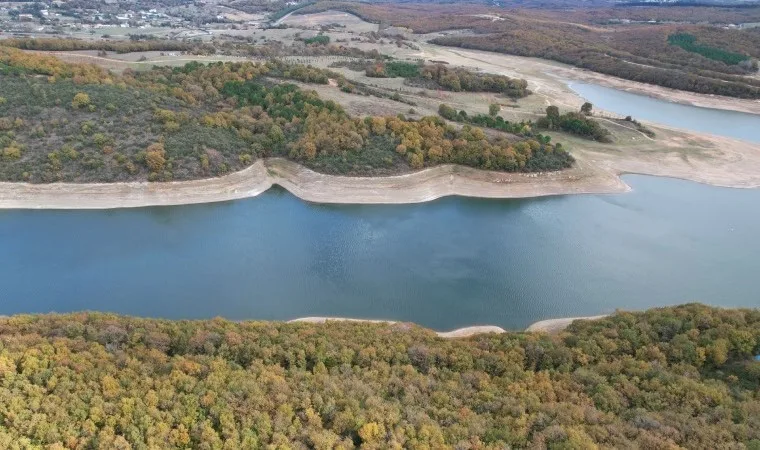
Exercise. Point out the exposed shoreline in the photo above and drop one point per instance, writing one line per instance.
(556, 325)
(458, 333)
(550, 326)
(416, 187)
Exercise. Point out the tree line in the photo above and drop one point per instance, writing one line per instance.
(118, 46)
(440, 76)
(577, 123)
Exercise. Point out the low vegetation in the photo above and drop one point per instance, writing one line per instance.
(76, 122)
(680, 377)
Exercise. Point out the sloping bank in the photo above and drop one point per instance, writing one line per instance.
(550, 326)
(425, 185)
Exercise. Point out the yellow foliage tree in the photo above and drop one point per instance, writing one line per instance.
(371, 432)
(12, 151)
(81, 100)
(155, 157)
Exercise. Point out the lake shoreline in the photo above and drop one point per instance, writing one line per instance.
(417, 187)
(550, 326)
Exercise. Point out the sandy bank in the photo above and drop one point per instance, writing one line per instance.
(459, 333)
(311, 186)
(557, 325)
(544, 326)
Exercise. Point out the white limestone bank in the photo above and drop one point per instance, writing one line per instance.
(425, 185)
(550, 326)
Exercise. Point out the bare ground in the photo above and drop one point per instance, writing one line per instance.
(416, 187)
(553, 326)
(458, 333)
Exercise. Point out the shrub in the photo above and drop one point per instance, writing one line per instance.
(13, 151)
(155, 157)
(81, 100)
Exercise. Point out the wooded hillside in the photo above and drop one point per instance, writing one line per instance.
(680, 377)
(81, 123)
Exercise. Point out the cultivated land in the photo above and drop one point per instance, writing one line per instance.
(672, 153)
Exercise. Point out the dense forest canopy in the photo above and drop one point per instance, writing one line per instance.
(78, 122)
(680, 377)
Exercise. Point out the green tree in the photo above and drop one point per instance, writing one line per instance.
(447, 112)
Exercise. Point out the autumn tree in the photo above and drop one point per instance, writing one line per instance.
(155, 157)
(81, 100)
(12, 152)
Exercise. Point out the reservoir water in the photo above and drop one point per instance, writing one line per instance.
(706, 120)
(445, 264)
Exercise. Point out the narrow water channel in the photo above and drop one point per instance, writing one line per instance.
(705, 120)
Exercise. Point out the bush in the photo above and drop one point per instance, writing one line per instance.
(81, 100)
(12, 152)
(155, 157)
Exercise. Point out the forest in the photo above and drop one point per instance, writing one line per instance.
(679, 377)
(81, 123)
(638, 52)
